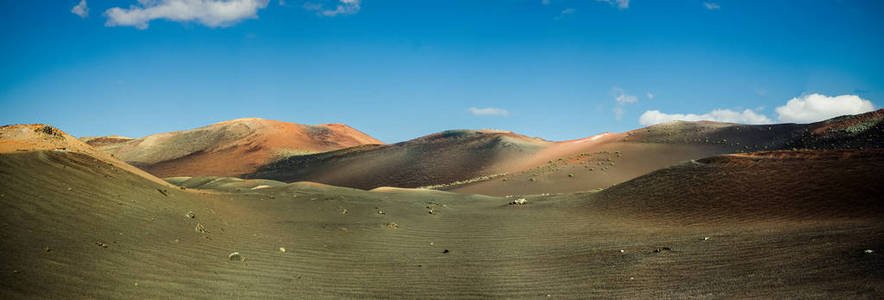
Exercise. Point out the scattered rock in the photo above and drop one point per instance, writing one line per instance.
(705, 238)
(392, 225)
(445, 251)
(869, 251)
(658, 250)
(430, 212)
(282, 249)
(344, 211)
(200, 228)
(164, 192)
(100, 244)
(48, 130)
(622, 251)
(190, 215)
(235, 256)
(47, 249)
(520, 201)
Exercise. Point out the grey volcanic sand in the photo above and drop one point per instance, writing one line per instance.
(112, 234)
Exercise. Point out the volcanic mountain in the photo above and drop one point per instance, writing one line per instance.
(504, 163)
(433, 159)
(228, 148)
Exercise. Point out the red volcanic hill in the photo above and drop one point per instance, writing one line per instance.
(229, 148)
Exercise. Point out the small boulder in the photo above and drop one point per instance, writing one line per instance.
(235, 256)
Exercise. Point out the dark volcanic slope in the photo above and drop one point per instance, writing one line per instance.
(434, 159)
(807, 185)
(845, 132)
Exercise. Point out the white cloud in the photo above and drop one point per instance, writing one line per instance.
(711, 5)
(566, 12)
(212, 13)
(816, 107)
(622, 97)
(544, 2)
(343, 7)
(650, 96)
(621, 4)
(748, 116)
(81, 9)
(489, 111)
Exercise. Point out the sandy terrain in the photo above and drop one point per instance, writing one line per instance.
(802, 223)
(766, 225)
(229, 148)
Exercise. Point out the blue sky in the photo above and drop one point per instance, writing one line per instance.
(556, 69)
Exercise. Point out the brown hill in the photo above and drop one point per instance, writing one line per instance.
(98, 141)
(39, 137)
(229, 148)
(433, 159)
(608, 159)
